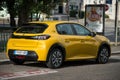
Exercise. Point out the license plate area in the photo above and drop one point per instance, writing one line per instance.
(20, 52)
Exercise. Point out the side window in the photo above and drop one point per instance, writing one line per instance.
(64, 29)
(80, 30)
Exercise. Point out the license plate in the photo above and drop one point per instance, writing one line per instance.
(17, 52)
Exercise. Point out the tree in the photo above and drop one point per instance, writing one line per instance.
(11, 9)
(23, 8)
(36, 6)
(0, 4)
(44, 6)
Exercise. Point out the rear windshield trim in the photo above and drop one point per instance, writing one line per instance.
(32, 28)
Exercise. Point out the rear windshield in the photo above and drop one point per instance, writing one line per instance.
(32, 28)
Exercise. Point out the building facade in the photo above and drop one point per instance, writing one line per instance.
(80, 5)
(111, 6)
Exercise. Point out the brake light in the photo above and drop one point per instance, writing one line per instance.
(41, 37)
(38, 37)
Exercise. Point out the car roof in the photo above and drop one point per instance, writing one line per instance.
(51, 24)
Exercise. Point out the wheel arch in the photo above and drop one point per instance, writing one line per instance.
(105, 44)
(59, 46)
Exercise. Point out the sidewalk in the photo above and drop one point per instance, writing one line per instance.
(114, 50)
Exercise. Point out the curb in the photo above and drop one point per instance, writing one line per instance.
(115, 53)
(4, 60)
(114, 43)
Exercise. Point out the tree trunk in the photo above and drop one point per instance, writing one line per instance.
(23, 17)
(12, 20)
(12, 12)
(24, 11)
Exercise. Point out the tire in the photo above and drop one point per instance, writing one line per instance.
(55, 59)
(103, 55)
(17, 61)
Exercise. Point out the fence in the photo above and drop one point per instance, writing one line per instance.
(5, 33)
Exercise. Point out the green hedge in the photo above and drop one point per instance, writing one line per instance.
(82, 14)
(106, 16)
(73, 13)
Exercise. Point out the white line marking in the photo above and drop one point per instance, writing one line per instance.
(12, 75)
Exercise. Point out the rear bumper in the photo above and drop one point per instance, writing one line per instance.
(38, 50)
(31, 56)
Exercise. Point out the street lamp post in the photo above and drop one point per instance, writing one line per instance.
(116, 22)
(68, 9)
(80, 9)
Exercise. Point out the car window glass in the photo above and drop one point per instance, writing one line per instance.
(64, 29)
(80, 30)
(32, 28)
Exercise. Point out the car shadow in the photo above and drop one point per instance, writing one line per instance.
(35, 64)
(70, 63)
(5, 62)
(65, 64)
(87, 62)
(78, 63)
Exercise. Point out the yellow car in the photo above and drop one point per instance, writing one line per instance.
(54, 42)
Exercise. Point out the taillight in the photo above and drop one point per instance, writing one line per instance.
(38, 37)
(41, 37)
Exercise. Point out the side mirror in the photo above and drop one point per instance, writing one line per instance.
(93, 34)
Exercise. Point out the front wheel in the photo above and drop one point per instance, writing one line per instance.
(103, 55)
(55, 58)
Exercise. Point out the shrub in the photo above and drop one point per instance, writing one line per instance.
(106, 16)
(81, 14)
(74, 12)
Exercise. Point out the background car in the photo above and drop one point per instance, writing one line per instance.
(54, 42)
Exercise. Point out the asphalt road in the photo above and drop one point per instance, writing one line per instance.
(75, 70)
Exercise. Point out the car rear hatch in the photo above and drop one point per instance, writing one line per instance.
(28, 35)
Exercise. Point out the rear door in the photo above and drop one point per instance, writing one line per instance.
(69, 40)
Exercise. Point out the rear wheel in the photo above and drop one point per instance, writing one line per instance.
(103, 55)
(55, 58)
